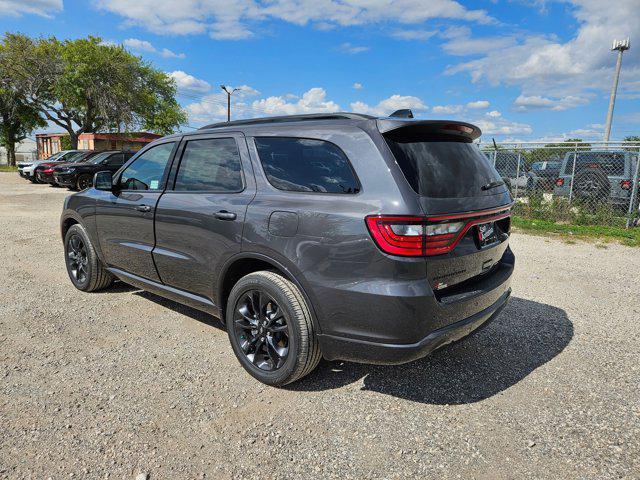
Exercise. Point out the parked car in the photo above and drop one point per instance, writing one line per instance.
(79, 176)
(599, 176)
(44, 171)
(506, 163)
(543, 175)
(336, 235)
(27, 169)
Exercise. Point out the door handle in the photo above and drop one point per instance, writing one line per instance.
(224, 215)
(143, 208)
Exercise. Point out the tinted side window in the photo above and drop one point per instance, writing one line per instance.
(148, 171)
(115, 160)
(210, 164)
(306, 165)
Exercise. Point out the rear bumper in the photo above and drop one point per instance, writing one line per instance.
(341, 348)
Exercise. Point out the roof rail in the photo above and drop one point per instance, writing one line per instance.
(290, 118)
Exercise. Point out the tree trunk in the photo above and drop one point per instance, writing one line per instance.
(11, 153)
(73, 138)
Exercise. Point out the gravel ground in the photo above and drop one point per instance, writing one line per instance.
(124, 384)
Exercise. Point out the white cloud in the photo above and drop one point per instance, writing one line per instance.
(138, 45)
(524, 103)
(541, 65)
(352, 49)
(493, 114)
(312, 101)
(44, 8)
(389, 105)
(188, 83)
(478, 104)
(231, 20)
(502, 127)
(447, 109)
(413, 34)
(459, 42)
(214, 107)
(357, 86)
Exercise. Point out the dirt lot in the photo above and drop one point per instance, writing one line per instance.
(119, 383)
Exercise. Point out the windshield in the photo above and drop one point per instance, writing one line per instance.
(77, 157)
(54, 157)
(443, 169)
(99, 157)
(545, 166)
(612, 163)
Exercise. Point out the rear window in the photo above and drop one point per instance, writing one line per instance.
(443, 169)
(613, 164)
(306, 165)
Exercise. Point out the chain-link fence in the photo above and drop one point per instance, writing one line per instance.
(579, 183)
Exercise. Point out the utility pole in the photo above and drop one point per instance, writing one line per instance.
(620, 46)
(229, 93)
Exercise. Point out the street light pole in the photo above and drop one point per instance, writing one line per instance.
(229, 93)
(620, 46)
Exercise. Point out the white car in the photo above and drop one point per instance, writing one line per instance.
(27, 169)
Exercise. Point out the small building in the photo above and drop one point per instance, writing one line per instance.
(25, 151)
(50, 143)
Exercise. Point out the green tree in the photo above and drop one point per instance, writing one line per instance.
(17, 118)
(86, 86)
(633, 138)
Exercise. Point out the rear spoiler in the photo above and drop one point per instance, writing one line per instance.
(462, 130)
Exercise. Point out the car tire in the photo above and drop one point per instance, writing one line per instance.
(33, 179)
(272, 334)
(85, 269)
(84, 182)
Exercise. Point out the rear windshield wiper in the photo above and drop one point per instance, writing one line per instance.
(491, 185)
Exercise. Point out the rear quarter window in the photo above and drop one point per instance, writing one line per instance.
(306, 165)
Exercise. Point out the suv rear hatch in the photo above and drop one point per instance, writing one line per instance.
(465, 228)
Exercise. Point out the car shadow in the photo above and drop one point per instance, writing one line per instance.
(525, 336)
(190, 312)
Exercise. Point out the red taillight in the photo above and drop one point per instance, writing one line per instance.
(418, 236)
(48, 170)
(625, 184)
(398, 235)
(560, 182)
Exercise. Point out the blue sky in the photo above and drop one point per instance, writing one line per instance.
(521, 70)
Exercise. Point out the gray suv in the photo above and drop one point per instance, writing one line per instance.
(341, 236)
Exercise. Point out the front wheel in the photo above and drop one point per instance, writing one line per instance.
(270, 329)
(86, 271)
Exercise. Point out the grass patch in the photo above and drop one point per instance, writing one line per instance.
(603, 233)
(8, 168)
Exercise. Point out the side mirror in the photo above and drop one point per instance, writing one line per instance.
(103, 181)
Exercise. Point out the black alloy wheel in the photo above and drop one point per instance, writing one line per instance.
(77, 258)
(261, 328)
(84, 182)
(86, 271)
(271, 329)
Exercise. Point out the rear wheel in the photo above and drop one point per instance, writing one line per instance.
(86, 271)
(270, 329)
(84, 182)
